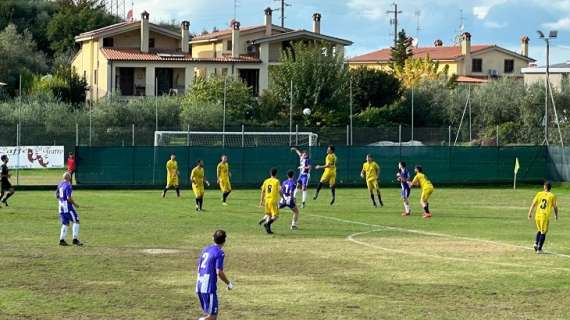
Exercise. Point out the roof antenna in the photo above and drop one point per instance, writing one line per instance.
(461, 30)
(284, 4)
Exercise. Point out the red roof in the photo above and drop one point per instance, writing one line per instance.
(435, 53)
(225, 32)
(465, 79)
(130, 54)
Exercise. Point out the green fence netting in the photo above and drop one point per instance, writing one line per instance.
(145, 166)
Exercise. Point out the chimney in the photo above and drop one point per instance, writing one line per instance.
(438, 43)
(144, 31)
(317, 23)
(524, 46)
(184, 43)
(268, 21)
(466, 52)
(235, 39)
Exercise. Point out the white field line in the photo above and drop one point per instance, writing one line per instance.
(352, 237)
(433, 234)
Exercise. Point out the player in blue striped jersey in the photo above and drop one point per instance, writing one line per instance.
(288, 188)
(304, 174)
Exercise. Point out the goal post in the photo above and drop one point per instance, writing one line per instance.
(234, 139)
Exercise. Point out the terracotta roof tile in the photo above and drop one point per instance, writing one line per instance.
(436, 53)
(129, 54)
(228, 31)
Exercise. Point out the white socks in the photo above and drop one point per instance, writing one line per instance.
(304, 195)
(75, 230)
(407, 207)
(63, 232)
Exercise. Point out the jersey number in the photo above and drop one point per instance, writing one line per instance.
(205, 257)
(543, 204)
(269, 188)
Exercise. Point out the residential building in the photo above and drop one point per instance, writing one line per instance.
(557, 74)
(139, 58)
(472, 63)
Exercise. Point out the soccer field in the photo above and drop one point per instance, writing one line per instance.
(472, 260)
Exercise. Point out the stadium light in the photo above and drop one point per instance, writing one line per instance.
(552, 34)
(2, 84)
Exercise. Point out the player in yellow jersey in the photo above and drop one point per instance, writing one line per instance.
(172, 176)
(329, 175)
(370, 172)
(198, 180)
(544, 202)
(223, 174)
(269, 200)
(420, 180)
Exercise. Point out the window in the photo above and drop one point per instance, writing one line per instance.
(477, 65)
(151, 43)
(509, 66)
(95, 77)
(229, 45)
(108, 42)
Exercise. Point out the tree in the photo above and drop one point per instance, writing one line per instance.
(209, 93)
(320, 82)
(19, 57)
(74, 17)
(402, 50)
(373, 88)
(64, 85)
(416, 70)
(31, 15)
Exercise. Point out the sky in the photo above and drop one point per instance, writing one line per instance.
(365, 22)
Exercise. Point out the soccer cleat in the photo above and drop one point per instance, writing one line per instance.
(539, 251)
(224, 204)
(5, 202)
(268, 228)
(303, 205)
(316, 196)
(535, 248)
(427, 215)
(381, 203)
(63, 243)
(294, 228)
(406, 214)
(76, 242)
(332, 201)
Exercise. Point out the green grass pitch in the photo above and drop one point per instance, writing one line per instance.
(472, 260)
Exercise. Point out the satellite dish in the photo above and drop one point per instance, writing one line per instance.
(415, 42)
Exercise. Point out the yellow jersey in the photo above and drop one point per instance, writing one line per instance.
(223, 171)
(330, 160)
(423, 181)
(371, 170)
(544, 202)
(271, 188)
(197, 176)
(172, 168)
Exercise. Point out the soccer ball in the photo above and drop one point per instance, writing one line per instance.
(307, 111)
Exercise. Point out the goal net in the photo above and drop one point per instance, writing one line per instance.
(234, 139)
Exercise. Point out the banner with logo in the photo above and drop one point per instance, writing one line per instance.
(34, 157)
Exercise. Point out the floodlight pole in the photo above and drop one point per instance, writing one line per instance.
(351, 116)
(224, 115)
(546, 88)
(291, 115)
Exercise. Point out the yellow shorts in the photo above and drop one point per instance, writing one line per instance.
(172, 182)
(329, 177)
(272, 209)
(198, 191)
(542, 222)
(426, 194)
(225, 185)
(372, 185)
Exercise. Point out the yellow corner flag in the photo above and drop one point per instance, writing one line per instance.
(517, 167)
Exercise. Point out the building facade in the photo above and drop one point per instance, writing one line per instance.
(469, 62)
(557, 75)
(139, 58)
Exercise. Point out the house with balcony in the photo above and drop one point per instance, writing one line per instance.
(471, 63)
(139, 58)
